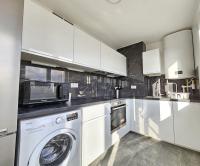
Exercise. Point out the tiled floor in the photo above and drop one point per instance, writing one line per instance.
(137, 150)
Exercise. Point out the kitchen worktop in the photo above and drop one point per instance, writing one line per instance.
(193, 99)
(48, 109)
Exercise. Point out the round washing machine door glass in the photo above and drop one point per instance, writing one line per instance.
(54, 150)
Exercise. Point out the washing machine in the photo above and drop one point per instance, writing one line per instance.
(51, 140)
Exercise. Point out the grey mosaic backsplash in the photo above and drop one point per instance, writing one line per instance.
(92, 85)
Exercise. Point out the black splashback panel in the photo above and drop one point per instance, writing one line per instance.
(133, 54)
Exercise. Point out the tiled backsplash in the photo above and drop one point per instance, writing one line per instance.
(92, 85)
(163, 82)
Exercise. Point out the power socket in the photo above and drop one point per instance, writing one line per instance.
(133, 87)
(74, 85)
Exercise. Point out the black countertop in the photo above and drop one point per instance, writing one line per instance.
(49, 109)
(194, 99)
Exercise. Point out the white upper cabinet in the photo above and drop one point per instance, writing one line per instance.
(86, 50)
(45, 34)
(152, 63)
(178, 55)
(112, 61)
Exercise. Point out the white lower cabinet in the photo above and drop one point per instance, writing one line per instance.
(137, 117)
(96, 138)
(153, 118)
(186, 124)
(158, 120)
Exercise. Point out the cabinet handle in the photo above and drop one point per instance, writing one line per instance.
(40, 52)
(3, 131)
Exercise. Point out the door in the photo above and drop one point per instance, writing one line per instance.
(94, 137)
(118, 117)
(158, 120)
(112, 61)
(151, 68)
(11, 16)
(46, 34)
(86, 49)
(57, 148)
(186, 124)
(7, 152)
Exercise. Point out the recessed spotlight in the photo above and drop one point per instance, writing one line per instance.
(114, 1)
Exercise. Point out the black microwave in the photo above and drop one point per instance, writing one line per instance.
(38, 92)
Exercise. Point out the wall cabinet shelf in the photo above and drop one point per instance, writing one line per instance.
(152, 63)
(112, 61)
(46, 34)
(86, 49)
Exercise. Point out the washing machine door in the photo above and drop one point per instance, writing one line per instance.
(55, 150)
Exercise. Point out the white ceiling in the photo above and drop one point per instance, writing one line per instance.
(128, 22)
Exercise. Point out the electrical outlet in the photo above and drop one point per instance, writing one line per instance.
(74, 85)
(133, 87)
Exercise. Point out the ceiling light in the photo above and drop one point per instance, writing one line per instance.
(114, 1)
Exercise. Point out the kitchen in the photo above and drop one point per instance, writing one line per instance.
(99, 83)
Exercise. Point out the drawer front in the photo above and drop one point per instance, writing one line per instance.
(92, 112)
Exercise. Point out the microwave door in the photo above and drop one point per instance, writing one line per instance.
(45, 92)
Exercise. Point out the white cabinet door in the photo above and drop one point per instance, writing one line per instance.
(7, 153)
(86, 50)
(45, 34)
(129, 111)
(112, 61)
(137, 117)
(94, 139)
(186, 124)
(158, 120)
(150, 68)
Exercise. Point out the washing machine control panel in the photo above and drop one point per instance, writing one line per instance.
(72, 116)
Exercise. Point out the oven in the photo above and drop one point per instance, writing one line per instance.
(118, 115)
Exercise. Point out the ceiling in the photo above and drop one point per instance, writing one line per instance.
(127, 22)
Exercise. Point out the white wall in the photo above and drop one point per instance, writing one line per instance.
(196, 39)
(155, 45)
